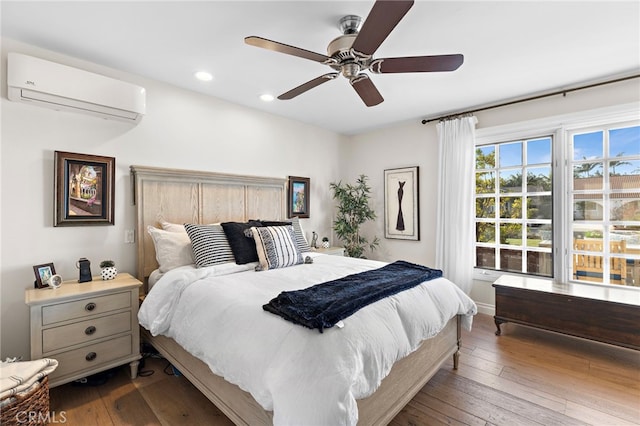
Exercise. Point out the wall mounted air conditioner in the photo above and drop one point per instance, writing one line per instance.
(62, 87)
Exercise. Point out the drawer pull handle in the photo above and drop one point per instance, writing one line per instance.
(91, 356)
(89, 330)
(90, 306)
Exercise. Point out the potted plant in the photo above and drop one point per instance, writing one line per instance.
(108, 270)
(325, 242)
(353, 211)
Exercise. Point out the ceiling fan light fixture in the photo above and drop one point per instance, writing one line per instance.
(340, 47)
(350, 70)
(267, 97)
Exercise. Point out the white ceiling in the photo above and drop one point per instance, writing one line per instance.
(512, 49)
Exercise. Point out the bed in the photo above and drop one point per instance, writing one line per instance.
(182, 196)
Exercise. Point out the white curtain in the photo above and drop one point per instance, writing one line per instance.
(455, 219)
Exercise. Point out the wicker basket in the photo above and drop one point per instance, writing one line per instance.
(29, 409)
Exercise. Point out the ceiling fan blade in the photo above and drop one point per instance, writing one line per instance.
(382, 19)
(366, 90)
(285, 48)
(307, 86)
(417, 64)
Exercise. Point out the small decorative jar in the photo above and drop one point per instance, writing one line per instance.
(109, 270)
(325, 242)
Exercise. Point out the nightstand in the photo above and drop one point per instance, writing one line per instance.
(333, 251)
(88, 327)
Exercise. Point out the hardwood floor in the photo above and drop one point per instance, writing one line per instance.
(524, 377)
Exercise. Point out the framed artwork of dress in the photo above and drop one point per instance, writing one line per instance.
(401, 206)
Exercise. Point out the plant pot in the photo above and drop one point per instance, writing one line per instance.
(108, 273)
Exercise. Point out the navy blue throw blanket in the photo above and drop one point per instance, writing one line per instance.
(323, 305)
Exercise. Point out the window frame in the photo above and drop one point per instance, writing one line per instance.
(559, 128)
(524, 194)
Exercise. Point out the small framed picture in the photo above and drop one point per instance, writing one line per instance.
(43, 273)
(298, 199)
(84, 189)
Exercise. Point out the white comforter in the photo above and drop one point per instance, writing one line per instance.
(303, 376)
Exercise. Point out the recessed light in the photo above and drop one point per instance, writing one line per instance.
(203, 76)
(266, 97)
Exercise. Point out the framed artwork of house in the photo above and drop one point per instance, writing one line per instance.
(84, 189)
(298, 196)
(401, 206)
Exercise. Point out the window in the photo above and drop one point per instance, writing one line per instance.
(514, 208)
(605, 195)
(560, 200)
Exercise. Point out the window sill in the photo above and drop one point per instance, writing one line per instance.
(489, 275)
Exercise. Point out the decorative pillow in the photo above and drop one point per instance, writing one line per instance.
(172, 227)
(276, 247)
(299, 238)
(173, 249)
(177, 227)
(243, 248)
(210, 245)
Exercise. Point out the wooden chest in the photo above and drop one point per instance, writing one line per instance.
(605, 314)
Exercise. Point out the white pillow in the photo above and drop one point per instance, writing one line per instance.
(276, 247)
(172, 227)
(173, 249)
(177, 227)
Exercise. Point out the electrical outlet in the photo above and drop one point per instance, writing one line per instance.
(129, 236)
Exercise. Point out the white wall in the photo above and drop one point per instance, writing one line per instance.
(409, 144)
(182, 129)
(414, 144)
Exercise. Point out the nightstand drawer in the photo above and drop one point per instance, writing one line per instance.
(84, 307)
(91, 356)
(85, 331)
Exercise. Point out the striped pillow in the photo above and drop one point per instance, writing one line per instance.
(276, 247)
(299, 238)
(210, 245)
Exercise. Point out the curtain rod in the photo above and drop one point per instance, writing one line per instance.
(532, 98)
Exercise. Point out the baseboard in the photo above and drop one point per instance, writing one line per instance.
(484, 308)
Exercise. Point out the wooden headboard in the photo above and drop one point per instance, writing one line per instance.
(186, 196)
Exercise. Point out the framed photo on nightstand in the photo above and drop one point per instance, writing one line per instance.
(43, 273)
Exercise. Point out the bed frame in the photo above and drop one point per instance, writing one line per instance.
(180, 196)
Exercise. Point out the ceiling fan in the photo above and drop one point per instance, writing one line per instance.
(352, 53)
